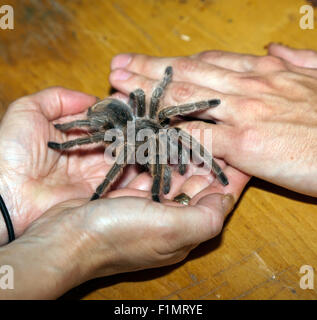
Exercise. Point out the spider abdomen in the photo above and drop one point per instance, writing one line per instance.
(112, 112)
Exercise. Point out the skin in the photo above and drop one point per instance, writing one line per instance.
(267, 121)
(47, 195)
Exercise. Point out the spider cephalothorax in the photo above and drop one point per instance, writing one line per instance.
(115, 114)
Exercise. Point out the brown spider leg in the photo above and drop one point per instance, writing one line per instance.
(182, 154)
(97, 137)
(163, 150)
(113, 173)
(74, 124)
(137, 100)
(158, 92)
(191, 143)
(183, 109)
(183, 157)
(167, 178)
(157, 172)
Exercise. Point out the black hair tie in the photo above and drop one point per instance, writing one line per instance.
(7, 219)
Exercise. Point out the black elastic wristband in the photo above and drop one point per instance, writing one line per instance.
(7, 220)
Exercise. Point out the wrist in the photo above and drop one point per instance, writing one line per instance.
(6, 195)
(43, 268)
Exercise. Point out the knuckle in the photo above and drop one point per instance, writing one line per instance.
(181, 91)
(210, 55)
(251, 104)
(256, 83)
(254, 109)
(185, 65)
(267, 63)
(248, 138)
(232, 76)
(249, 62)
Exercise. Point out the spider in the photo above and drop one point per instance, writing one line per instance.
(113, 113)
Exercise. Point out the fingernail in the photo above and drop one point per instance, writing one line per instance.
(120, 61)
(120, 75)
(227, 203)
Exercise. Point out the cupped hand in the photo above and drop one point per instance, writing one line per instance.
(109, 236)
(125, 232)
(35, 178)
(266, 125)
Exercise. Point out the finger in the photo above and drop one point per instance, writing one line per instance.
(237, 183)
(57, 102)
(144, 182)
(128, 192)
(199, 223)
(184, 69)
(228, 60)
(128, 175)
(79, 116)
(195, 184)
(141, 182)
(198, 186)
(224, 138)
(180, 93)
(300, 58)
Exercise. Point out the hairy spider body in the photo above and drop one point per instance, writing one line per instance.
(115, 114)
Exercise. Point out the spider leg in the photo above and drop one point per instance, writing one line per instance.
(159, 90)
(137, 100)
(193, 144)
(74, 124)
(97, 137)
(183, 109)
(182, 154)
(183, 157)
(113, 173)
(164, 151)
(167, 177)
(157, 171)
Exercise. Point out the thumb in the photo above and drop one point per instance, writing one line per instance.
(206, 220)
(223, 202)
(56, 102)
(300, 58)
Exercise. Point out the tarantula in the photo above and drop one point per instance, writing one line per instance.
(112, 113)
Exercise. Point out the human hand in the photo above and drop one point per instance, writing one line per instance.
(34, 178)
(266, 123)
(108, 236)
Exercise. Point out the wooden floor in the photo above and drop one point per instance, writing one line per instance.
(272, 232)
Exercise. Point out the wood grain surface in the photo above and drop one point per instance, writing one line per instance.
(272, 232)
